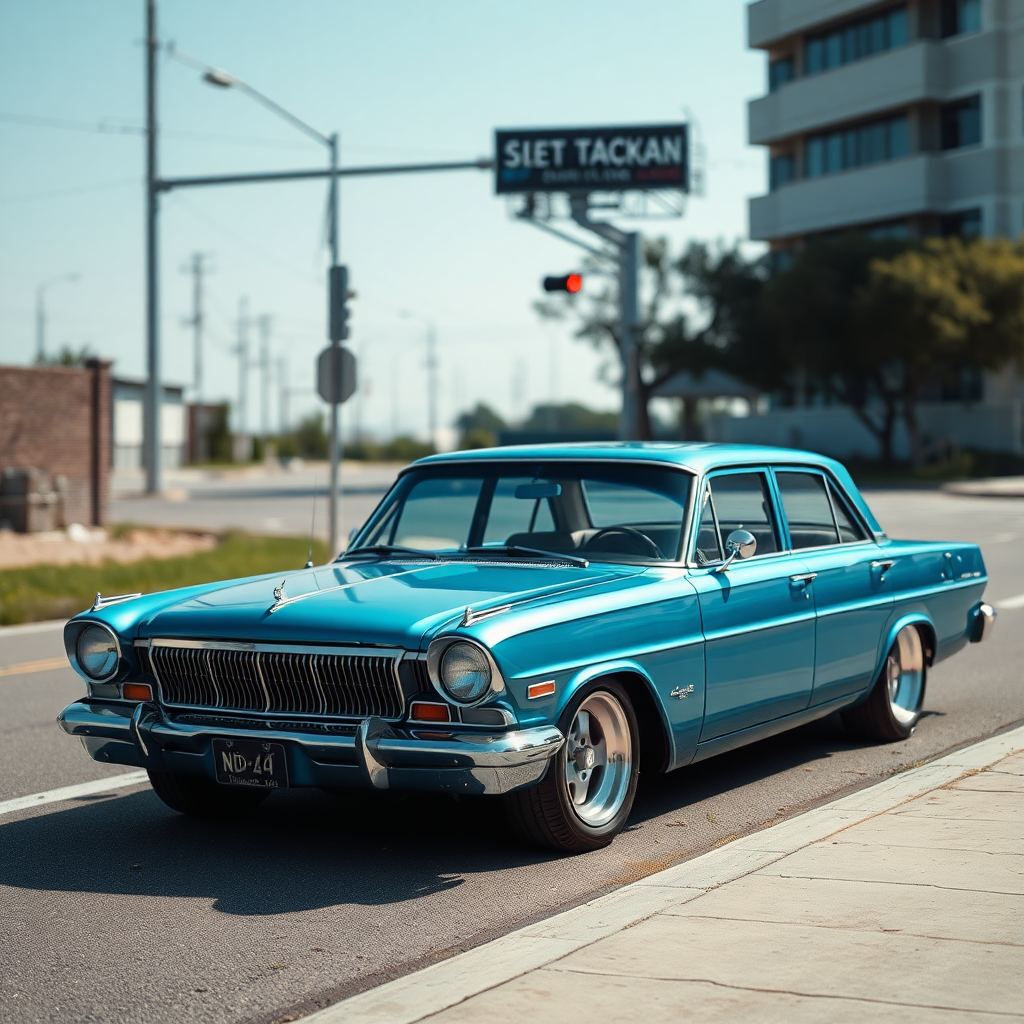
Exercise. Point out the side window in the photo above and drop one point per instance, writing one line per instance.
(849, 529)
(808, 510)
(707, 549)
(742, 503)
(511, 515)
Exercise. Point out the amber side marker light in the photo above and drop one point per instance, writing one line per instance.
(422, 712)
(540, 690)
(137, 691)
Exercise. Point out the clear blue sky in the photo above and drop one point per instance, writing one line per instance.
(401, 80)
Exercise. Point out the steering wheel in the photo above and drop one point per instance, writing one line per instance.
(643, 544)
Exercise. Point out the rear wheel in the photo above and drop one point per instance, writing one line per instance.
(893, 707)
(586, 796)
(202, 798)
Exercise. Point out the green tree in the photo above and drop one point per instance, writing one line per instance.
(479, 427)
(67, 356)
(696, 314)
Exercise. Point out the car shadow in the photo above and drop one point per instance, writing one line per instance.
(305, 849)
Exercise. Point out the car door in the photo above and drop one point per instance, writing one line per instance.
(758, 621)
(852, 592)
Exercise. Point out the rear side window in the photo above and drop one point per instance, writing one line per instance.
(740, 501)
(849, 529)
(808, 510)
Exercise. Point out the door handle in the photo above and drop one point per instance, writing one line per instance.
(803, 577)
(884, 564)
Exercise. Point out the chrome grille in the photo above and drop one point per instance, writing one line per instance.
(276, 680)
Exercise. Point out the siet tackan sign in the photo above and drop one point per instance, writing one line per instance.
(592, 159)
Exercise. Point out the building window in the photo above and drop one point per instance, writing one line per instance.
(897, 230)
(963, 223)
(781, 170)
(961, 122)
(856, 40)
(780, 72)
(869, 143)
(960, 16)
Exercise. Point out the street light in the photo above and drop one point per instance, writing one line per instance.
(224, 80)
(41, 311)
(431, 365)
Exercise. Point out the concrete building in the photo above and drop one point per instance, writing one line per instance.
(127, 412)
(900, 119)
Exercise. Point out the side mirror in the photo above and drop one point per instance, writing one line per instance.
(739, 544)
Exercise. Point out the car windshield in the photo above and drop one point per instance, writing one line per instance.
(614, 512)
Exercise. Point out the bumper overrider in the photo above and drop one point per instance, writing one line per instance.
(372, 753)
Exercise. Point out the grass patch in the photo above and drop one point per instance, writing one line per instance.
(40, 592)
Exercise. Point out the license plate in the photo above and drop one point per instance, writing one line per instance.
(251, 763)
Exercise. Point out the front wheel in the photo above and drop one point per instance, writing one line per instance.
(893, 707)
(584, 799)
(200, 797)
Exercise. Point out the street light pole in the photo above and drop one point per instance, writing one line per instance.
(151, 427)
(335, 438)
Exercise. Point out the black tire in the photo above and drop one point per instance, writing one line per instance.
(893, 708)
(545, 814)
(200, 797)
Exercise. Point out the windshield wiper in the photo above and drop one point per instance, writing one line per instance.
(388, 549)
(518, 549)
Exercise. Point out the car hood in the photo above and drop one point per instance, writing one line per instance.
(391, 603)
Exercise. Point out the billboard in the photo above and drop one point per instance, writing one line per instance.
(592, 159)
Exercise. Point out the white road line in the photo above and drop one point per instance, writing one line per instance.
(31, 627)
(22, 803)
(1011, 602)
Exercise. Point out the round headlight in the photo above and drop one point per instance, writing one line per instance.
(97, 652)
(464, 672)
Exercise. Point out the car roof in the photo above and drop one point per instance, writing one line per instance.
(695, 456)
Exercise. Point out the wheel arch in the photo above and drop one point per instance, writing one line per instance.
(924, 626)
(656, 744)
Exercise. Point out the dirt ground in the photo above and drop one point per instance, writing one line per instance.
(94, 546)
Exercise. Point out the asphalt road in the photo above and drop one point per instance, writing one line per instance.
(113, 908)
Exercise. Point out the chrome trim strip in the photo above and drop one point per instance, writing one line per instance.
(235, 645)
(471, 616)
(102, 602)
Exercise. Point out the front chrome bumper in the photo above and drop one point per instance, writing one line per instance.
(373, 754)
(983, 617)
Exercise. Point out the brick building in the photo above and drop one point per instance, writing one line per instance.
(57, 419)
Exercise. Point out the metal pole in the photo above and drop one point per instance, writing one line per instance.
(334, 439)
(629, 312)
(40, 325)
(243, 368)
(432, 382)
(264, 324)
(151, 426)
(282, 399)
(197, 325)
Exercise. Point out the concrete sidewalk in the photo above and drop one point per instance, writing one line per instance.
(901, 902)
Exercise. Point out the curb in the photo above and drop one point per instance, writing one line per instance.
(440, 986)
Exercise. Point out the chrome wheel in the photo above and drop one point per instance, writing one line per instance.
(598, 759)
(904, 673)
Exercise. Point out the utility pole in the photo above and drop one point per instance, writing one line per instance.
(243, 372)
(282, 398)
(432, 383)
(151, 423)
(263, 323)
(197, 268)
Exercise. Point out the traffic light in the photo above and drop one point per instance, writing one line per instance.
(339, 296)
(571, 283)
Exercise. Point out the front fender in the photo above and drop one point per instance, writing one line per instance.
(621, 667)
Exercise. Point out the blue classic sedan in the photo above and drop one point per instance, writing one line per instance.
(534, 622)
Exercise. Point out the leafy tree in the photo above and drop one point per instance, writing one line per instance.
(694, 312)
(479, 427)
(568, 417)
(67, 356)
(874, 324)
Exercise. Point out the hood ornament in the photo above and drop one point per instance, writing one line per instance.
(278, 594)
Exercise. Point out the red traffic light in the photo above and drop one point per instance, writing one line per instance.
(571, 283)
